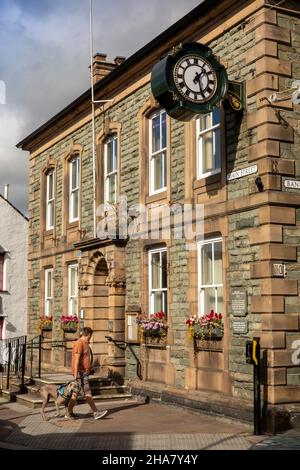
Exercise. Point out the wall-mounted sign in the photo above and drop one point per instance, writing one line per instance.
(239, 304)
(294, 184)
(189, 81)
(240, 327)
(250, 170)
(278, 269)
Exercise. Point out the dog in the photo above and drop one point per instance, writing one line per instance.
(61, 395)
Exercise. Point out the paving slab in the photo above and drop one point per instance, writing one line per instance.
(128, 426)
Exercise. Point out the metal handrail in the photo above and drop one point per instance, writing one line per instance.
(123, 345)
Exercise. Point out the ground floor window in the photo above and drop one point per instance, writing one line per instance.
(158, 281)
(49, 292)
(73, 289)
(210, 276)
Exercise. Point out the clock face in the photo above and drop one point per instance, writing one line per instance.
(195, 78)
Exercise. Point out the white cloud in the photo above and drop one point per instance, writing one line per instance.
(44, 50)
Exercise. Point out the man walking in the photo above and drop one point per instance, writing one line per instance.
(81, 369)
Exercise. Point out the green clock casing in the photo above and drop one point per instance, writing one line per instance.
(189, 81)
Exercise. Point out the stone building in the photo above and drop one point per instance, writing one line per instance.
(13, 270)
(245, 266)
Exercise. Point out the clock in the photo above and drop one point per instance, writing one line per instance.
(195, 78)
(189, 81)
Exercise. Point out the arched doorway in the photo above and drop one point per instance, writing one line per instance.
(103, 301)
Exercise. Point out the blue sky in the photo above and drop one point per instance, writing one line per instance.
(44, 58)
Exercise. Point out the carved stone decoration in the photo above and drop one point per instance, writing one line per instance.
(116, 279)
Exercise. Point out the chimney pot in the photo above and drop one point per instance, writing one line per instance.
(119, 60)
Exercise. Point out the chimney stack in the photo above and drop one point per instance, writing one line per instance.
(101, 67)
(6, 191)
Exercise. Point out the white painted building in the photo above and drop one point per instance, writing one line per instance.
(13, 270)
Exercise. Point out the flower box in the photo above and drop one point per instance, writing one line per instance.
(69, 323)
(69, 328)
(206, 327)
(208, 344)
(153, 328)
(45, 323)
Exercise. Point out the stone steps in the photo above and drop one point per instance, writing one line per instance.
(33, 399)
(102, 389)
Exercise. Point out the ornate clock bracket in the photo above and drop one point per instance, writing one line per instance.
(236, 96)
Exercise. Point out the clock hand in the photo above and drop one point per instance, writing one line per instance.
(198, 79)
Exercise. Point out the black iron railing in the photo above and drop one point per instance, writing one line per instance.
(123, 345)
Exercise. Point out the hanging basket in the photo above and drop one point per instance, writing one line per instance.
(46, 327)
(69, 327)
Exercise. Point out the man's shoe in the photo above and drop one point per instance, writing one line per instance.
(100, 414)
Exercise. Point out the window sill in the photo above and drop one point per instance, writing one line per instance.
(207, 180)
(156, 197)
(74, 224)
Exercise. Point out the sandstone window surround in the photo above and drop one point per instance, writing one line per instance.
(108, 163)
(210, 276)
(157, 152)
(149, 109)
(50, 199)
(158, 280)
(209, 149)
(73, 289)
(111, 169)
(49, 292)
(48, 182)
(74, 188)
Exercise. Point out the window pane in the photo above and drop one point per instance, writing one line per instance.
(206, 264)
(164, 269)
(115, 165)
(159, 171)
(155, 269)
(163, 130)
(109, 156)
(209, 299)
(157, 302)
(50, 214)
(50, 185)
(220, 302)
(207, 151)
(73, 306)
(205, 121)
(75, 205)
(74, 174)
(49, 304)
(155, 133)
(218, 278)
(73, 281)
(112, 189)
(217, 150)
(216, 116)
(49, 284)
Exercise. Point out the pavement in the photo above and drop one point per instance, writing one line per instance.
(131, 425)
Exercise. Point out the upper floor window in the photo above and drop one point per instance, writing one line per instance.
(208, 128)
(158, 281)
(74, 176)
(2, 276)
(111, 169)
(210, 276)
(73, 289)
(50, 202)
(49, 292)
(158, 152)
